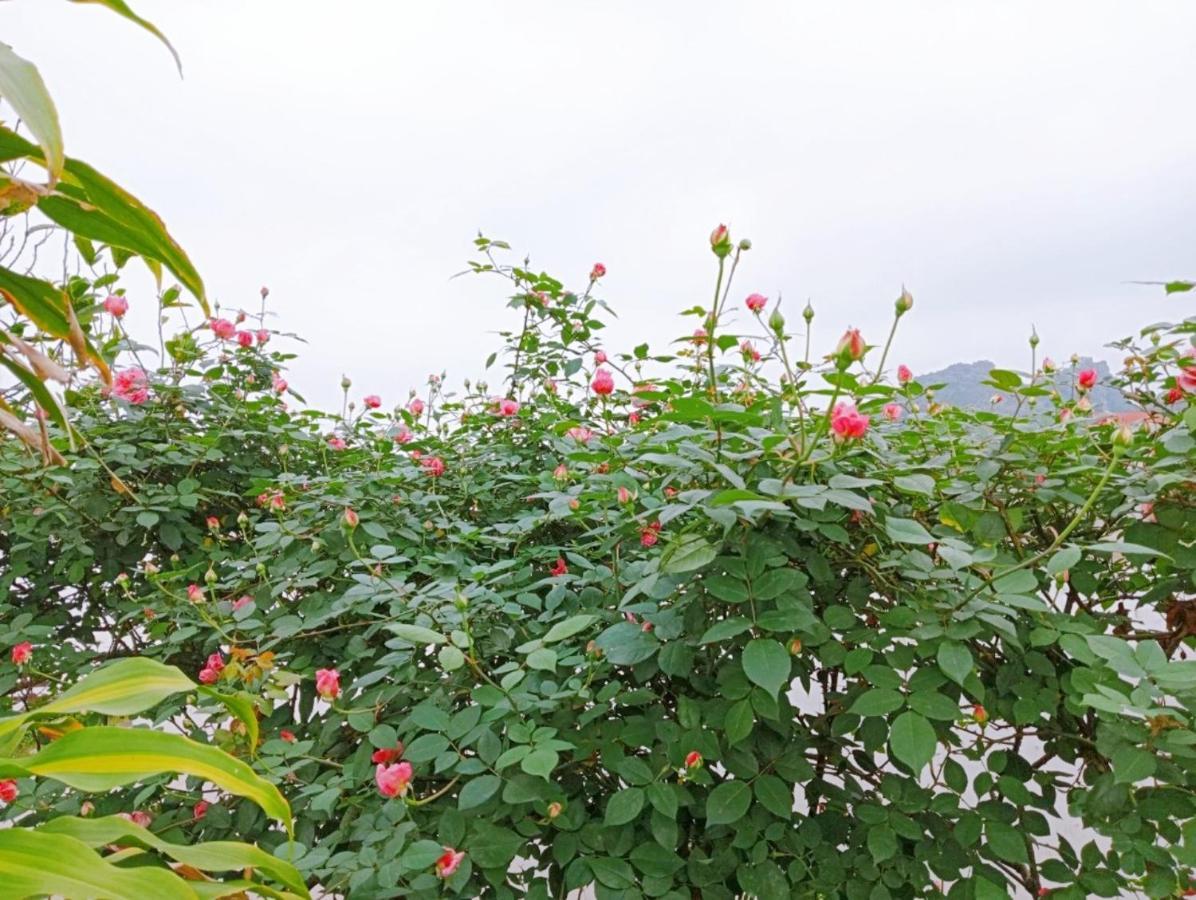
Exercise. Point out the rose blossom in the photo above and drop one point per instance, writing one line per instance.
(200, 809)
(131, 385)
(433, 465)
(262, 335)
(372, 401)
(851, 346)
(223, 329)
(597, 272)
(393, 780)
(449, 861)
(603, 382)
(116, 305)
(508, 407)
(245, 338)
(559, 568)
(756, 302)
(893, 411)
(416, 407)
(904, 375)
(22, 653)
(1086, 379)
(328, 683)
(580, 434)
(848, 423)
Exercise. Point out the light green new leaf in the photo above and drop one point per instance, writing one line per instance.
(210, 856)
(22, 86)
(122, 9)
(417, 634)
(105, 757)
(36, 864)
(907, 531)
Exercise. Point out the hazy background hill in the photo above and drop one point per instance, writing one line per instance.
(964, 385)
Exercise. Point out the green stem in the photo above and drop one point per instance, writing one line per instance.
(884, 355)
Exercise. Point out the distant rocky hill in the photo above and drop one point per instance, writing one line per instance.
(963, 385)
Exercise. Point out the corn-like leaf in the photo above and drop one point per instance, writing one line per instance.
(106, 757)
(240, 705)
(22, 86)
(35, 864)
(210, 856)
(48, 308)
(44, 396)
(122, 9)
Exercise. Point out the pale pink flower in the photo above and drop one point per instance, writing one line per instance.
(279, 383)
(116, 305)
(131, 385)
(262, 335)
(756, 302)
(433, 465)
(242, 602)
(138, 817)
(393, 780)
(337, 443)
(351, 518)
(328, 683)
(848, 423)
(508, 407)
(597, 272)
(372, 401)
(223, 329)
(624, 495)
(1185, 379)
(893, 411)
(403, 435)
(416, 406)
(580, 433)
(194, 593)
(245, 338)
(599, 357)
(904, 375)
(699, 336)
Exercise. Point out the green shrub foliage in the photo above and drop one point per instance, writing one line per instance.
(705, 625)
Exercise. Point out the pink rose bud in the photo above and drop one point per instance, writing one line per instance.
(116, 305)
(448, 862)
(86, 808)
(350, 518)
(648, 538)
(242, 602)
(561, 472)
(624, 495)
(893, 411)
(372, 401)
(599, 357)
(245, 338)
(720, 241)
(603, 382)
(1086, 379)
(980, 714)
(215, 662)
(200, 809)
(223, 329)
(288, 736)
(580, 434)
(848, 423)
(393, 780)
(554, 809)
(756, 302)
(262, 335)
(328, 683)
(404, 435)
(337, 443)
(208, 676)
(433, 466)
(22, 653)
(699, 336)
(508, 407)
(213, 523)
(904, 375)
(194, 593)
(851, 347)
(1048, 365)
(597, 272)
(264, 291)
(416, 407)
(139, 817)
(1175, 395)
(693, 759)
(559, 568)
(9, 790)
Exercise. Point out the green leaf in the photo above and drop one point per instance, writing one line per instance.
(1063, 560)
(569, 627)
(955, 660)
(877, 702)
(36, 864)
(491, 846)
(104, 757)
(624, 806)
(739, 721)
(727, 628)
(913, 740)
(907, 531)
(543, 659)
(767, 663)
(478, 790)
(1006, 842)
(882, 843)
(450, 658)
(417, 634)
(211, 856)
(728, 803)
(914, 484)
(774, 795)
(22, 87)
(122, 9)
(692, 552)
(540, 761)
(1132, 764)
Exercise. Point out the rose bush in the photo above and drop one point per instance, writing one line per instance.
(673, 622)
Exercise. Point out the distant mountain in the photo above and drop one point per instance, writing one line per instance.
(963, 386)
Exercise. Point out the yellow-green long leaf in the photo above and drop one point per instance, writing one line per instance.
(34, 864)
(209, 856)
(105, 757)
(22, 86)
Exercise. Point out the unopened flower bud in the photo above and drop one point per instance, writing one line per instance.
(808, 313)
(720, 241)
(242, 518)
(346, 383)
(745, 244)
(1033, 337)
(905, 302)
(851, 348)
(980, 714)
(461, 602)
(265, 292)
(794, 646)
(1123, 437)
(554, 809)
(210, 576)
(776, 322)
(151, 569)
(350, 518)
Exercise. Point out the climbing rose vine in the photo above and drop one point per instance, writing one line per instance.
(712, 618)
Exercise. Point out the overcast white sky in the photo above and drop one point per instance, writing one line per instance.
(1010, 163)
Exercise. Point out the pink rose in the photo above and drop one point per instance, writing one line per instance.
(350, 518)
(561, 472)
(416, 407)
(699, 336)
(138, 817)
(893, 411)
(22, 653)
(393, 780)
(433, 465)
(624, 495)
(508, 407)
(223, 329)
(597, 272)
(599, 357)
(242, 602)
(372, 401)
(194, 593)
(693, 759)
(1086, 379)
(750, 353)
(279, 383)
(756, 302)
(215, 662)
(448, 862)
(559, 568)
(200, 809)
(580, 434)
(245, 338)
(904, 375)
(1185, 379)
(262, 335)
(9, 790)
(648, 538)
(848, 423)
(403, 435)
(208, 676)
(851, 346)
(116, 305)
(1048, 365)
(603, 382)
(720, 237)
(337, 443)
(131, 385)
(328, 683)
